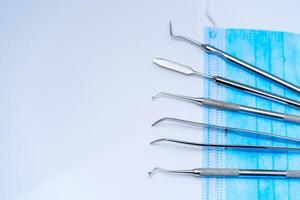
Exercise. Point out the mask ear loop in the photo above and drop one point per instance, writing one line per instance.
(208, 15)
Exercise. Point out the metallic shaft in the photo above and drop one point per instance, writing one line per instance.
(232, 172)
(255, 91)
(213, 50)
(244, 132)
(234, 107)
(186, 70)
(252, 68)
(259, 148)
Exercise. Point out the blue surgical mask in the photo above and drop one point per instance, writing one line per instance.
(279, 54)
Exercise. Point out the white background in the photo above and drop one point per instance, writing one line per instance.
(76, 81)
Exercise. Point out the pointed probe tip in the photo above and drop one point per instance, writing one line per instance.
(158, 121)
(155, 60)
(171, 28)
(158, 140)
(151, 173)
(155, 123)
(155, 97)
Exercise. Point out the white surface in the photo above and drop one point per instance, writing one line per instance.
(76, 87)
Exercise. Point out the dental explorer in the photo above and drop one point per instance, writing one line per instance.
(243, 132)
(256, 148)
(232, 107)
(213, 50)
(231, 172)
(167, 64)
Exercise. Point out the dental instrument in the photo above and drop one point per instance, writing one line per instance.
(232, 107)
(213, 50)
(231, 146)
(243, 132)
(231, 172)
(167, 64)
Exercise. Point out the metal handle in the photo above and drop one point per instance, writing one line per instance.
(262, 93)
(220, 104)
(285, 117)
(263, 173)
(273, 173)
(216, 172)
(213, 50)
(293, 174)
(291, 118)
(231, 172)
(257, 111)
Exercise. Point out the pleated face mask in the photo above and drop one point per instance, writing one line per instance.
(279, 54)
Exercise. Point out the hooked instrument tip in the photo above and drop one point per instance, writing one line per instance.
(184, 38)
(163, 94)
(160, 120)
(155, 97)
(159, 140)
(151, 173)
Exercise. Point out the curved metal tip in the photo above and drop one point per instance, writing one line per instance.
(159, 140)
(187, 122)
(171, 29)
(177, 96)
(161, 94)
(158, 121)
(184, 38)
(155, 97)
(155, 170)
(159, 169)
(181, 142)
(156, 60)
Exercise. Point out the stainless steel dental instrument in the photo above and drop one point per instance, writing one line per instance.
(244, 132)
(232, 107)
(167, 64)
(231, 172)
(213, 50)
(232, 146)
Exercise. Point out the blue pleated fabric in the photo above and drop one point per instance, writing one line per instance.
(279, 54)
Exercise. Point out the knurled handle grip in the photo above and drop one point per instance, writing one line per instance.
(292, 118)
(220, 104)
(293, 174)
(219, 172)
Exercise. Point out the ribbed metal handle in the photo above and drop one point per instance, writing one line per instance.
(216, 172)
(251, 110)
(292, 118)
(293, 174)
(220, 104)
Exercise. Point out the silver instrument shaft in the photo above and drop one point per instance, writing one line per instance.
(259, 148)
(233, 107)
(183, 69)
(226, 56)
(244, 132)
(239, 62)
